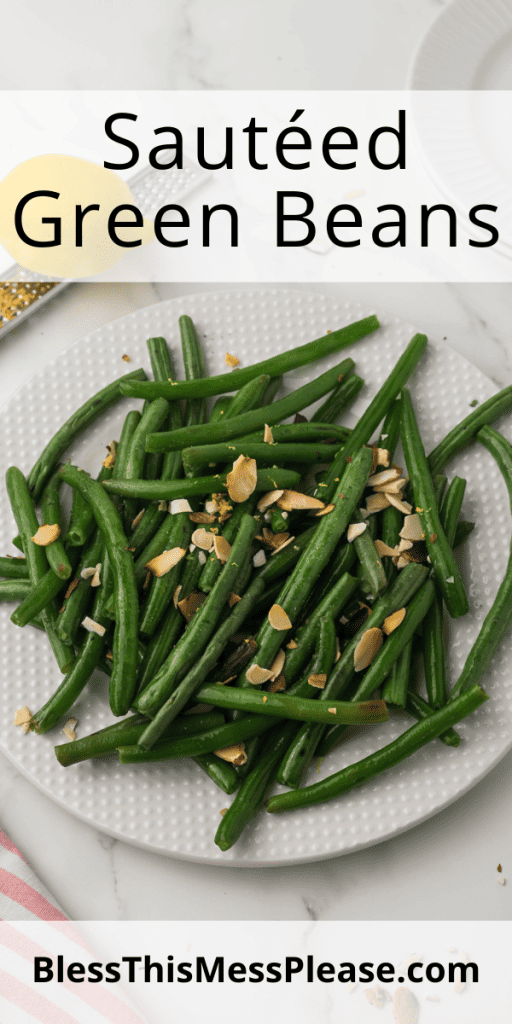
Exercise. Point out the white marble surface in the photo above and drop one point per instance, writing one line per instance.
(443, 869)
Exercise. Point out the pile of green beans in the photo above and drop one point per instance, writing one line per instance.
(270, 640)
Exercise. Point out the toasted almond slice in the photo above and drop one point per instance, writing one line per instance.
(368, 646)
(332, 710)
(178, 505)
(324, 511)
(318, 679)
(176, 595)
(88, 571)
(402, 506)
(277, 665)
(394, 487)
(222, 548)
(278, 685)
(233, 599)
(109, 655)
(189, 605)
(291, 500)
(292, 645)
(278, 618)
(22, 716)
(231, 360)
(283, 545)
(402, 561)
(235, 754)
(163, 563)
(383, 458)
(376, 502)
(46, 534)
(110, 460)
(211, 506)
(136, 521)
(338, 651)
(241, 481)
(202, 539)
(259, 558)
(384, 549)
(404, 545)
(257, 675)
(202, 558)
(355, 530)
(267, 435)
(96, 581)
(384, 477)
(223, 811)
(392, 621)
(93, 627)
(412, 528)
(268, 499)
(72, 586)
(201, 517)
(69, 729)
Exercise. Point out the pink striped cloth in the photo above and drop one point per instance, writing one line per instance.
(32, 924)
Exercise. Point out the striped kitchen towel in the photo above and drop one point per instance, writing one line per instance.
(32, 925)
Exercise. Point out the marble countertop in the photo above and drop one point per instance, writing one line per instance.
(442, 869)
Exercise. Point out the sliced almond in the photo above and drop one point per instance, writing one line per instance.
(412, 528)
(259, 558)
(384, 477)
(355, 530)
(176, 595)
(283, 545)
(292, 646)
(332, 711)
(225, 509)
(202, 558)
(222, 548)
(231, 360)
(201, 517)
(392, 621)
(88, 571)
(163, 563)
(96, 581)
(318, 679)
(268, 499)
(257, 675)
(404, 545)
(277, 665)
(92, 626)
(383, 549)
(291, 500)
(383, 457)
(394, 487)
(110, 460)
(233, 599)
(368, 646)
(324, 511)
(211, 506)
(191, 603)
(22, 716)
(136, 521)
(235, 754)
(278, 685)
(376, 502)
(402, 561)
(72, 586)
(241, 481)
(178, 505)
(46, 534)
(278, 618)
(402, 506)
(267, 435)
(69, 729)
(202, 539)
(338, 651)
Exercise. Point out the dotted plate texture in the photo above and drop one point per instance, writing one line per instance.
(174, 808)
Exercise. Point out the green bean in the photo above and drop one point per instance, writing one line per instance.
(75, 605)
(341, 562)
(419, 708)
(394, 690)
(196, 407)
(220, 772)
(37, 563)
(468, 428)
(376, 411)
(338, 401)
(123, 679)
(275, 365)
(408, 743)
(293, 764)
(150, 421)
(388, 438)
(40, 596)
(462, 532)
(161, 362)
(451, 507)
(439, 483)
(290, 432)
(194, 746)
(316, 556)
(440, 552)
(252, 420)
(163, 587)
(81, 522)
(213, 567)
(282, 561)
(166, 490)
(14, 568)
(195, 459)
(15, 590)
(499, 617)
(50, 513)
(329, 607)
(75, 425)
(199, 631)
(371, 564)
(220, 408)
(107, 740)
(235, 662)
(273, 387)
(248, 397)
(279, 521)
(254, 788)
(300, 709)
(171, 626)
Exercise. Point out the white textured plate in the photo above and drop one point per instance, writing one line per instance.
(174, 808)
(468, 50)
